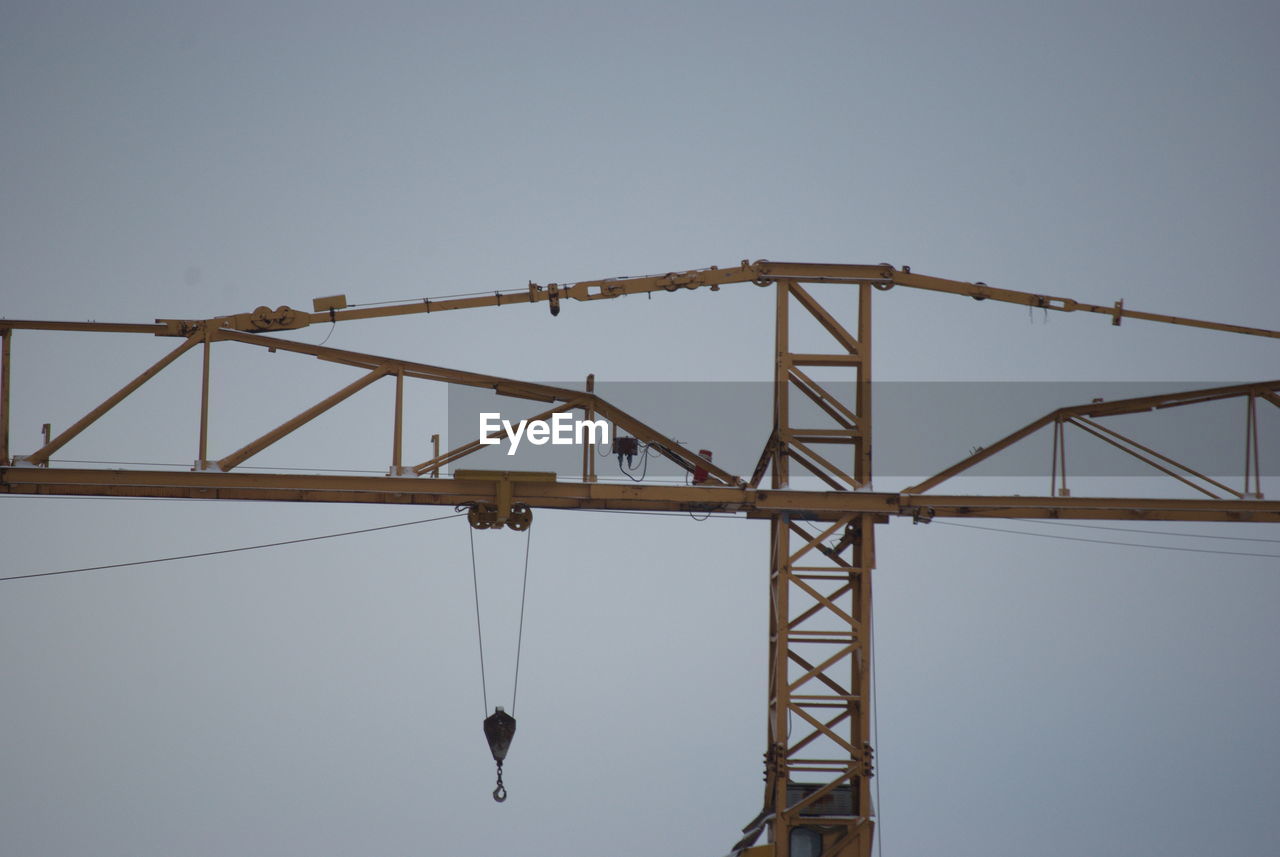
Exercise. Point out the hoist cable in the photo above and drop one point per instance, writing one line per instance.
(524, 588)
(475, 583)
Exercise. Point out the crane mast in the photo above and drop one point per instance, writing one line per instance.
(819, 760)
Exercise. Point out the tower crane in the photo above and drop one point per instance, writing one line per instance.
(819, 759)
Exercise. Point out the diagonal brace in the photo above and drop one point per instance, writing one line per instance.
(41, 456)
(472, 446)
(239, 456)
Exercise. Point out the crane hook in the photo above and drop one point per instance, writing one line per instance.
(500, 793)
(499, 729)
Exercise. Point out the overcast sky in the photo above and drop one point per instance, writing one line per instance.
(1036, 696)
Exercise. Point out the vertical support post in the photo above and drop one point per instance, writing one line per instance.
(775, 757)
(202, 453)
(865, 559)
(589, 448)
(776, 771)
(781, 386)
(397, 434)
(1257, 466)
(862, 464)
(435, 455)
(1251, 465)
(1059, 460)
(1064, 491)
(1053, 459)
(5, 336)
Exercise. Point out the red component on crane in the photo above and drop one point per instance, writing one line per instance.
(700, 472)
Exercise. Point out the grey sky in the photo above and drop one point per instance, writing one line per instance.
(186, 160)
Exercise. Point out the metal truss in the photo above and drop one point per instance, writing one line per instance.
(1085, 418)
(377, 368)
(819, 760)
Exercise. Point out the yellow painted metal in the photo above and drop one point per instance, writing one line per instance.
(819, 760)
(589, 448)
(1251, 449)
(762, 272)
(332, 302)
(981, 291)
(202, 449)
(92, 327)
(1151, 457)
(1058, 461)
(41, 456)
(504, 485)
(397, 432)
(862, 395)
(781, 472)
(254, 447)
(5, 355)
(751, 503)
(1134, 405)
(503, 386)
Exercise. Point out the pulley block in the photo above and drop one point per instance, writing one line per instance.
(499, 729)
(484, 516)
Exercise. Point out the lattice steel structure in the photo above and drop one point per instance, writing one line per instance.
(819, 759)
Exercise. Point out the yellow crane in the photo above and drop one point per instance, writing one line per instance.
(819, 758)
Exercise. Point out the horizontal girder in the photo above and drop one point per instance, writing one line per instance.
(815, 505)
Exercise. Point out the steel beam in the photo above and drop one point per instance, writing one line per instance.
(748, 502)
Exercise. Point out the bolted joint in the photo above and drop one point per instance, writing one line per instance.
(775, 761)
